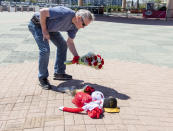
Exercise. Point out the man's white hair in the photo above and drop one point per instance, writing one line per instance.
(85, 14)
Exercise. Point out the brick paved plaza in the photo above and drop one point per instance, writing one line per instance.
(138, 71)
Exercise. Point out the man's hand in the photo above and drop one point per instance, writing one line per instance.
(46, 36)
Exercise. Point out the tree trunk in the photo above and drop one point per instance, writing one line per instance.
(80, 2)
(137, 4)
(169, 7)
(123, 5)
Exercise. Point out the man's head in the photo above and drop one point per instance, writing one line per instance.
(83, 18)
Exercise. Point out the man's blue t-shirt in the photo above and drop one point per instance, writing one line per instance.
(61, 20)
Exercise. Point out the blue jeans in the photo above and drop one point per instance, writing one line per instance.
(44, 50)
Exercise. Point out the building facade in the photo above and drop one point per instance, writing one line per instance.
(90, 2)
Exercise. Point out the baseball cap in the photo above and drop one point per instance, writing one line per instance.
(110, 105)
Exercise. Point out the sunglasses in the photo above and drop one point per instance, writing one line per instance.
(83, 24)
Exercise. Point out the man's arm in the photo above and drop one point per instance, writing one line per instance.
(44, 13)
(71, 46)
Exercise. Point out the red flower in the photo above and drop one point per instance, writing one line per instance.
(95, 57)
(102, 61)
(89, 63)
(88, 59)
(75, 59)
(95, 63)
(89, 90)
(100, 66)
(99, 56)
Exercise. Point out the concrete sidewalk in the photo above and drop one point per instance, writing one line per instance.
(138, 71)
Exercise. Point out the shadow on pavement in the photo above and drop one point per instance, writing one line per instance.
(134, 20)
(78, 84)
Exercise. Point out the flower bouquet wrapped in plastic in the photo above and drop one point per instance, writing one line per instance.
(89, 59)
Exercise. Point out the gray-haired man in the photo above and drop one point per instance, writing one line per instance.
(46, 25)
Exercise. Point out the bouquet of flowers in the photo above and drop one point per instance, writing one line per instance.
(89, 59)
(86, 89)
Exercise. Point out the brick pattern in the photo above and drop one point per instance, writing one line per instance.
(144, 93)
